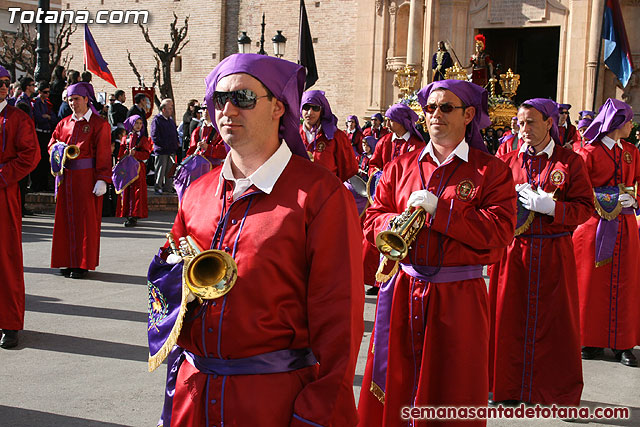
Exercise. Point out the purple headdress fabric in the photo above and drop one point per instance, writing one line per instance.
(355, 119)
(128, 124)
(83, 89)
(328, 120)
(548, 108)
(403, 114)
(612, 115)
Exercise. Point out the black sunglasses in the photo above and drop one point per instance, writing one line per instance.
(315, 108)
(445, 108)
(5, 83)
(44, 91)
(245, 99)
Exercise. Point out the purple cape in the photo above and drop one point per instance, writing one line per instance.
(403, 114)
(471, 95)
(128, 124)
(283, 78)
(4, 72)
(328, 120)
(548, 108)
(612, 115)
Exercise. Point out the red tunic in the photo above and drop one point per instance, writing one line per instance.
(76, 231)
(357, 144)
(376, 133)
(132, 202)
(508, 146)
(215, 152)
(439, 333)
(535, 326)
(334, 154)
(610, 294)
(19, 155)
(568, 135)
(387, 150)
(299, 285)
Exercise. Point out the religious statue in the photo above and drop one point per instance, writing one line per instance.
(481, 63)
(440, 62)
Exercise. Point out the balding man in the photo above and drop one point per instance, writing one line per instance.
(431, 336)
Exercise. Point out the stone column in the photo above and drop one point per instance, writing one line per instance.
(415, 33)
(593, 59)
(391, 52)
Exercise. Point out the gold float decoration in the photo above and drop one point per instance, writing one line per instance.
(405, 79)
(456, 73)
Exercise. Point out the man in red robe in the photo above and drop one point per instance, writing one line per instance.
(76, 231)
(295, 235)
(607, 246)
(404, 137)
(535, 321)
(586, 117)
(355, 135)
(326, 144)
(567, 132)
(19, 155)
(208, 141)
(376, 129)
(132, 202)
(430, 344)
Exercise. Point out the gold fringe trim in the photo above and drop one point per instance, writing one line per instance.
(604, 214)
(132, 181)
(524, 227)
(364, 211)
(603, 262)
(381, 276)
(157, 359)
(377, 392)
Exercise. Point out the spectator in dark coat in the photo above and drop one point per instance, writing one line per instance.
(164, 134)
(117, 110)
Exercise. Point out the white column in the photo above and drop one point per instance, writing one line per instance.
(415, 33)
(597, 9)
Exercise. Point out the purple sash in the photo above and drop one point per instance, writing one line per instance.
(383, 312)
(606, 236)
(76, 164)
(267, 363)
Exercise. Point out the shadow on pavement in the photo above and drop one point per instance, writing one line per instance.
(51, 305)
(99, 276)
(19, 417)
(86, 346)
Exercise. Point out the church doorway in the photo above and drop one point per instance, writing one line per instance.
(530, 52)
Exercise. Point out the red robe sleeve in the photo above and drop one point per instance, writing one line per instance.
(193, 144)
(377, 159)
(326, 400)
(143, 149)
(345, 157)
(580, 206)
(21, 155)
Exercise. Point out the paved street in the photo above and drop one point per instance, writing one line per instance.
(82, 360)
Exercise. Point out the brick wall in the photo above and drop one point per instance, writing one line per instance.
(213, 32)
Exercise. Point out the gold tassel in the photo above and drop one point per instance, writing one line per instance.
(381, 276)
(377, 392)
(604, 214)
(524, 227)
(603, 262)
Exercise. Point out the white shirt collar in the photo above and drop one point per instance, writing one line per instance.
(86, 116)
(2, 105)
(609, 143)
(548, 150)
(264, 178)
(117, 102)
(462, 151)
(406, 136)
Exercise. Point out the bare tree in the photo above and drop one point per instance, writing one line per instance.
(164, 57)
(19, 49)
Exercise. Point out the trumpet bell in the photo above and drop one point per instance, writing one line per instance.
(391, 245)
(211, 274)
(72, 152)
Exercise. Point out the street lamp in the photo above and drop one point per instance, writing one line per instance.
(42, 71)
(244, 41)
(279, 43)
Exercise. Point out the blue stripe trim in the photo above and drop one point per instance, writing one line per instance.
(3, 180)
(526, 326)
(311, 423)
(535, 323)
(224, 383)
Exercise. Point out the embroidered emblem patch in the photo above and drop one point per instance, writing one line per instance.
(85, 128)
(627, 157)
(465, 190)
(157, 306)
(320, 147)
(557, 177)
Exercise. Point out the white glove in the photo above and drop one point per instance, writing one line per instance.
(173, 259)
(627, 201)
(100, 188)
(538, 201)
(424, 199)
(520, 187)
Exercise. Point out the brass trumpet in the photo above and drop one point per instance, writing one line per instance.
(633, 191)
(209, 274)
(394, 243)
(71, 152)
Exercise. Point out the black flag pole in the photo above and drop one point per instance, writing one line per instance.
(306, 56)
